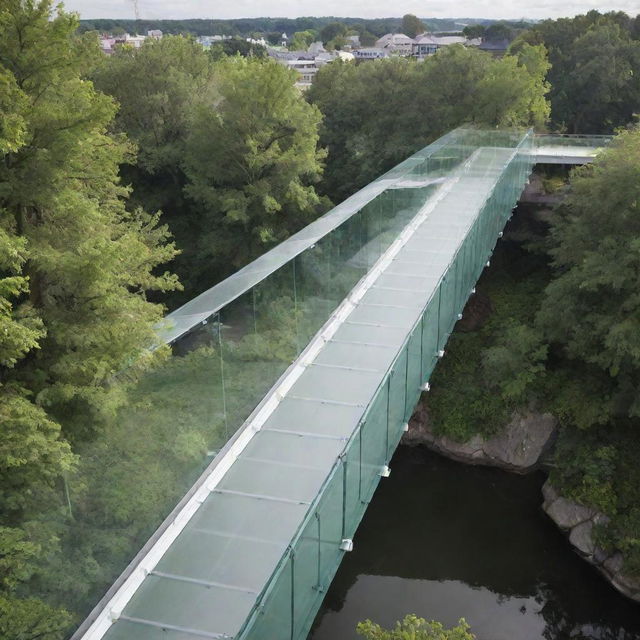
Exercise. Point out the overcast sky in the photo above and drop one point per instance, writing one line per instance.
(152, 9)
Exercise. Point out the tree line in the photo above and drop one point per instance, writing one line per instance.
(249, 26)
(129, 184)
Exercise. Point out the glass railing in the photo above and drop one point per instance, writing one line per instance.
(227, 348)
(288, 603)
(571, 140)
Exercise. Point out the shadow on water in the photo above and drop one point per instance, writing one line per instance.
(444, 541)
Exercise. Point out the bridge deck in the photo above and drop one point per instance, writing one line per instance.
(251, 550)
(207, 583)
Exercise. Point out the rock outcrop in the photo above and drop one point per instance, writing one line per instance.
(519, 447)
(578, 522)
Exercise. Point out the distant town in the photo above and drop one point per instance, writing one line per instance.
(307, 51)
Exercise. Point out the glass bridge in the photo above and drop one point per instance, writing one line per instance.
(299, 373)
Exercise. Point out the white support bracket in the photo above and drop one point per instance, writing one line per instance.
(346, 544)
(385, 472)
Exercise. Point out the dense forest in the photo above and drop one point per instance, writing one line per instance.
(131, 183)
(250, 26)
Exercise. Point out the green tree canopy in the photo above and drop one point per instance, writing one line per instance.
(332, 31)
(237, 46)
(301, 40)
(591, 310)
(414, 628)
(412, 25)
(595, 70)
(474, 31)
(251, 160)
(416, 103)
(75, 267)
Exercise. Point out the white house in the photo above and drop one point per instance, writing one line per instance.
(427, 44)
(396, 43)
(306, 69)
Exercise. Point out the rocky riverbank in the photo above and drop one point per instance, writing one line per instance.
(521, 447)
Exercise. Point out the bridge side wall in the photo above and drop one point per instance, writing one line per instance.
(289, 603)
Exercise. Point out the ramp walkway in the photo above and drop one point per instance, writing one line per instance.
(307, 365)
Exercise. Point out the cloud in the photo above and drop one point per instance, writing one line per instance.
(225, 9)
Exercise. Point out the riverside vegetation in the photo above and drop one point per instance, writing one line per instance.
(564, 337)
(129, 184)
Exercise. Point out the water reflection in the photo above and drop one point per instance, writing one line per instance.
(446, 541)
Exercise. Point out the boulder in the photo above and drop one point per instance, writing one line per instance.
(578, 521)
(518, 447)
(523, 442)
(580, 537)
(568, 514)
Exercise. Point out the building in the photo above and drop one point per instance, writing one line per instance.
(396, 43)
(207, 41)
(316, 48)
(353, 42)
(427, 44)
(154, 33)
(307, 63)
(370, 53)
(306, 69)
(107, 44)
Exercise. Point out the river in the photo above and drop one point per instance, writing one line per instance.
(445, 540)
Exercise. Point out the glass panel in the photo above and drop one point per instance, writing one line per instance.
(414, 371)
(373, 436)
(397, 401)
(354, 505)
(430, 342)
(306, 572)
(274, 621)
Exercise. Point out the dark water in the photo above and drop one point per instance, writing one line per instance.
(444, 541)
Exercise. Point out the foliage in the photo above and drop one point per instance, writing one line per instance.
(474, 31)
(591, 309)
(488, 371)
(595, 70)
(333, 31)
(250, 26)
(516, 360)
(499, 31)
(301, 40)
(237, 46)
(257, 187)
(228, 151)
(157, 88)
(366, 136)
(411, 25)
(75, 267)
(414, 628)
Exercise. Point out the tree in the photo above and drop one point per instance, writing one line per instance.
(591, 311)
(237, 46)
(412, 25)
(75, 267)
(332, 31)
(473, 31)
(366, 137)
(301, 40)
(414, 628)
(251, 160)
(499, 31)
(595, 70)
(157, 88)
